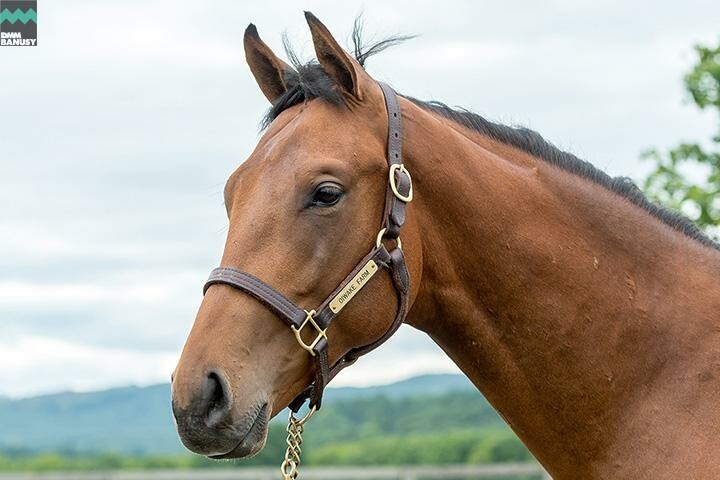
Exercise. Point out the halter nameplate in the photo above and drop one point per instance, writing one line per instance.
(355, 285)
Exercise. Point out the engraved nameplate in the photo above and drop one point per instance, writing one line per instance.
(355, 285)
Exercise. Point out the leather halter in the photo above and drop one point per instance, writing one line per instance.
(399, 194)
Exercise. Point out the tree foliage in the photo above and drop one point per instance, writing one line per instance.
(687, 177)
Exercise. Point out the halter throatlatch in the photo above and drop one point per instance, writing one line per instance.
(317, 321)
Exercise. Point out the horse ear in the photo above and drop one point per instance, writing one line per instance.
(347, 73)
(269, 71)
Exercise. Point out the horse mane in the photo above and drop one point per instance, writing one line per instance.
(309, 81)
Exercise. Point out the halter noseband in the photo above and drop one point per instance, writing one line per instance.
(399, 193)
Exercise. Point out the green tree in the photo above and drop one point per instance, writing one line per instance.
(675, 180)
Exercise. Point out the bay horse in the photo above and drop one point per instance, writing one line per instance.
(588, 316)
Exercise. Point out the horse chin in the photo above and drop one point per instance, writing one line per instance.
(253, 442)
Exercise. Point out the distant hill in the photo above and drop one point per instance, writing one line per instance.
(138, 420)
(130, 420)
(420, 385)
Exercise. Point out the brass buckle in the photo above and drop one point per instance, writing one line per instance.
(378, 240)
(298, 332)
(393, 185)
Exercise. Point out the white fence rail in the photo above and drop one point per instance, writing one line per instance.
(307, 473)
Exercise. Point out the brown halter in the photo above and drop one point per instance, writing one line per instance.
(399, 194)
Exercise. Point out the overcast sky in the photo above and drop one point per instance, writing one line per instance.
(118, 131)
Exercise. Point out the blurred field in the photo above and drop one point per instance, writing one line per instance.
(458, 472)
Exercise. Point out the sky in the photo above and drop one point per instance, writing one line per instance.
(118, 131)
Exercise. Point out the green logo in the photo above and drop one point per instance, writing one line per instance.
(18, 23)
(18, 16)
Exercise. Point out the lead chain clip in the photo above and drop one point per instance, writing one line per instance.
(295, 429)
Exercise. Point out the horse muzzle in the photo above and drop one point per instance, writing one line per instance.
(207, 424)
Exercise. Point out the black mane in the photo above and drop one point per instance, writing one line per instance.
(310, 81)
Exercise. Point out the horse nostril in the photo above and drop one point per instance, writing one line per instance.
(216, 398)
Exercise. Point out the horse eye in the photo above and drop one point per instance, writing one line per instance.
(326, 195)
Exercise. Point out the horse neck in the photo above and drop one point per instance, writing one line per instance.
(564, 303)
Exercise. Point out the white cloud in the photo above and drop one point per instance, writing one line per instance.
(77, 294)
(32, 365)
(460, 56)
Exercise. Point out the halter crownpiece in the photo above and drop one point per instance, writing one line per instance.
(399, 193)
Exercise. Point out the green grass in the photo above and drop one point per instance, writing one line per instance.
(454, 447)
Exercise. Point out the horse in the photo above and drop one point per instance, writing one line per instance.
(588, 316)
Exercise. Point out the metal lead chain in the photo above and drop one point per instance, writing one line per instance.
(295, 429)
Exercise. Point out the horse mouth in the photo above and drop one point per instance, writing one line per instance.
(253, 441)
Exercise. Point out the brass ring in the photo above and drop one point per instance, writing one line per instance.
(380, 234)
(303, 420)
(393, 185)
